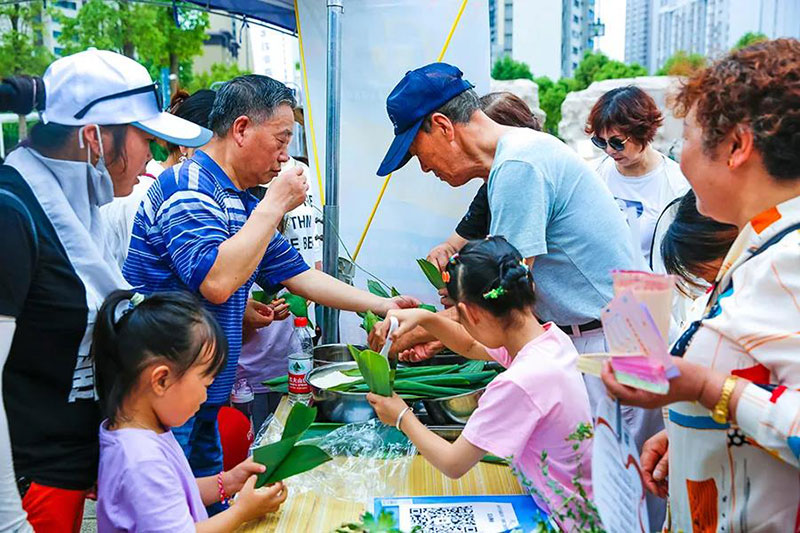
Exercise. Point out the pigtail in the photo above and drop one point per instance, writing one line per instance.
(105, 350)
(491, 274)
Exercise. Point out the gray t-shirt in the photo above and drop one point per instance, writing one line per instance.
(551, 205)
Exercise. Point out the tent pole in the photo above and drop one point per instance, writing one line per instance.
(330, 244)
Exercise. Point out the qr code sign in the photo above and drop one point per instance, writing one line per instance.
(450, 519)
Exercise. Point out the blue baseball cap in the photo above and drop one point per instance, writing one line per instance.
(419, 93)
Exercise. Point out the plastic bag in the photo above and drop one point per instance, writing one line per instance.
(370, 460)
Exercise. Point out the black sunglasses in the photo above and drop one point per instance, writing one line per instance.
(614, 142)
(130, 92)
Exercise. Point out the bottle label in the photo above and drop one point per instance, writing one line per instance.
(298, 369)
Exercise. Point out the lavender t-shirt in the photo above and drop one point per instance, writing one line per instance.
(145, 483)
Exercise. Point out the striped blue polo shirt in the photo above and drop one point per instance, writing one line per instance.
(187, 214)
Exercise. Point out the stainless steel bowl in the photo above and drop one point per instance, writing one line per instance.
(325, 354)
(453, 409)
(353, 407)
(345, 407)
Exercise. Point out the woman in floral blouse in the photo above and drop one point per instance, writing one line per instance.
(728, 459)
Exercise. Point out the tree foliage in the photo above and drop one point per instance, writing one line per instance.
(551, 96)
(596, 66)
(219, 72)
(749, 38)
(21, 48)
(507, 68)
(682, 64)
(144, 32)
(593, 67)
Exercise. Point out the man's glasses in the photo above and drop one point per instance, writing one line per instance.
(614, 142)
(130, 92)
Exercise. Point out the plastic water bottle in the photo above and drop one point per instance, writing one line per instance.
(242, 400)
(301, 363)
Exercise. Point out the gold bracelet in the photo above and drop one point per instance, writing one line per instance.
(721, 412)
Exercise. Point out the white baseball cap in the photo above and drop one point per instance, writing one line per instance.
(102, 87)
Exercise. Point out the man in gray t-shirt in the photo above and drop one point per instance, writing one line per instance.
(543, 198)
(552, 207)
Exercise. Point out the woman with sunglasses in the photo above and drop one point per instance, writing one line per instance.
(623, 124)
(728, 459)
(100, 111)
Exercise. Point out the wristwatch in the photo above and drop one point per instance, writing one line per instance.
(720, 412)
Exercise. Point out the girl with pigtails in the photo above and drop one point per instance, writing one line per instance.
(529, 409)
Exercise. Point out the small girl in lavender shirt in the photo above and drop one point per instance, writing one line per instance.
(530, 409)
(154, 358)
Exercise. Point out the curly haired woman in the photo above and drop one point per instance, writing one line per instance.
(730, 455)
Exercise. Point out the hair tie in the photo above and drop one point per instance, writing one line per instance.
(495, 293)
(446, 276)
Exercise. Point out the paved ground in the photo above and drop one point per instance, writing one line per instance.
(89, 518)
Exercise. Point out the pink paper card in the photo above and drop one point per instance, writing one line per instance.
(656, 291)
(629, 328)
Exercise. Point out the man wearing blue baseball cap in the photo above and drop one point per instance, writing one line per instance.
(543, 198)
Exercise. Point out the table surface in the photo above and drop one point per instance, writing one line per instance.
(313, 513)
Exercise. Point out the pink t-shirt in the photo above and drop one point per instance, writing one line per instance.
(532, 407)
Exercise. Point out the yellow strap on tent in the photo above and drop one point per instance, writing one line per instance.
(308, 106)
(386, 181)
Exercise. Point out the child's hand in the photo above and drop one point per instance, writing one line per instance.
(407, 319)
(387, 409)
(234, 479)
(254, 503)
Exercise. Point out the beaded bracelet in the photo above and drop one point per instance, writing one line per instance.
(223, 496)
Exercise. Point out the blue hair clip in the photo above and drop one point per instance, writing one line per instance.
(136, 299)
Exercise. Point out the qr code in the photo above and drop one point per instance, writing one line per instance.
(450, 519)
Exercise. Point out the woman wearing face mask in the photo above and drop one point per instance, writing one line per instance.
(100, 111)
(623, 124)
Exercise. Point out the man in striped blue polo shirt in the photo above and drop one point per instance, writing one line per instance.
(199, 229)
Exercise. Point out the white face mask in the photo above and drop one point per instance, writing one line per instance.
(101, 187)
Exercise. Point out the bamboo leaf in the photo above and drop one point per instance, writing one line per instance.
(300, 418)
(432, 273)
(374, 369)
(472, 367)
(297, 304)
(263, 296)
(276, 381)
(394, 292)
(377, 289)
(370, 319)
(428, 307)
(301, 458)
(277, 457)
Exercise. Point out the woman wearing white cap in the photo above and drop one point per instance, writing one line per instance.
(100, 110)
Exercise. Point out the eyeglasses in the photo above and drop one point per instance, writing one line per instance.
(614, 142)
(130, 92)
